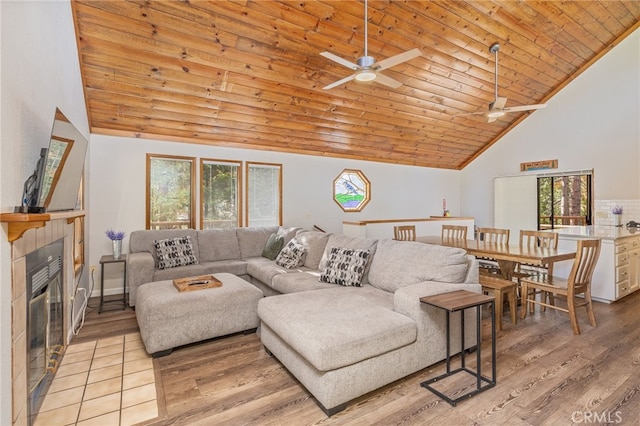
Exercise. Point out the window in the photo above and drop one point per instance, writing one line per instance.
(220, 183)
(170, 192)
(264, 194)
(565, 199)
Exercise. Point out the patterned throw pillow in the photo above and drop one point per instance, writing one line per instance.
(292, 255)
(345, 267)
(174, 252)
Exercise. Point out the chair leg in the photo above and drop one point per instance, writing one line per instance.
(573, 315)
(498, 310)
(513, 306)
(524, 299)
(592, 316)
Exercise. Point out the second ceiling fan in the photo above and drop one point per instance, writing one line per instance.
(366, 68)
(497, 108)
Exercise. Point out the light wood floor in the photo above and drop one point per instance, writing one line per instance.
(546, 375)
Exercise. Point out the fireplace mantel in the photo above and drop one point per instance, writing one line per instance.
(19, 223)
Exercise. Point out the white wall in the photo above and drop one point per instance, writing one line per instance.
(40, 72)
(592, 124)
(117, 182)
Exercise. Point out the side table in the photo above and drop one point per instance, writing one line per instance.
(462, 300)
(108, 259)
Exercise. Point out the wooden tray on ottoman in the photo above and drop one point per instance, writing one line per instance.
(196, 283)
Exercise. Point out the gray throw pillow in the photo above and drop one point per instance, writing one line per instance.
(273, 246)
(174, 252)
(345, 267)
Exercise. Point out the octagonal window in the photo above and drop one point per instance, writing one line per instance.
(351, 190)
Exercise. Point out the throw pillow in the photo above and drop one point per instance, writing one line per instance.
(273, 246)
(292, 255)
(345, 266)
(174, 252)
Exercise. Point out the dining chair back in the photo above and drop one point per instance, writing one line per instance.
(454, 232)
(578, 283)
(404, 232)
(494, 235)
(538, 239)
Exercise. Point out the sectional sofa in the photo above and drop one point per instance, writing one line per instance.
(346, 318)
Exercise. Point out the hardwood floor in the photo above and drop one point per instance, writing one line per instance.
(546, 375)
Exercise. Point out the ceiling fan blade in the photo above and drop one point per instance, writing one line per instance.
(339, 60)
(525, 107)
(398, 59)
(499, 103)
(387, 81)
(339, 82)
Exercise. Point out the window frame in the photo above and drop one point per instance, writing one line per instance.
(192, 192)
(248, 165)
(239, 187)
(589, 204)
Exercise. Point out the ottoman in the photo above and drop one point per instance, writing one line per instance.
(168, 318)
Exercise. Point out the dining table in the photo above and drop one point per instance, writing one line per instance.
(508, 256)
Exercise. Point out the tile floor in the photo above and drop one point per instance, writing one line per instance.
(104, 382)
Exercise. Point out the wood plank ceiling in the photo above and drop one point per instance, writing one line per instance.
(249, 74)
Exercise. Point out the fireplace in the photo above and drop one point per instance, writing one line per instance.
(44, 321)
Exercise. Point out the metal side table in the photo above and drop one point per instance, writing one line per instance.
(455, 301)
(108, 259)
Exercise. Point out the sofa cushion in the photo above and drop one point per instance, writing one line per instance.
(340, 240)
(173, 252)
(314, 243)
(401, 263)
(232, 266)
(263, 269)
(345, 266)
(292, 255)
(218, 244)
(297, 280)
(140, 241)
(253, 240)
(178, 272)
(273, 246)
(336, 327)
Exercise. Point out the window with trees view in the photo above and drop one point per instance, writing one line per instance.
(564, 199)
(264, 194)
(170, 192)
(220, 183)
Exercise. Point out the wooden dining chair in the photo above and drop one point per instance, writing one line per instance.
(502, 290)
(454, 232)
(578, 283)
(492, 235)
(536, 240)
(404, 233)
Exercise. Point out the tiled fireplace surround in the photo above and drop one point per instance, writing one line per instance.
(31, 240)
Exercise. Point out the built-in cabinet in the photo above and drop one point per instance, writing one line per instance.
(627, 266)
(617, 273)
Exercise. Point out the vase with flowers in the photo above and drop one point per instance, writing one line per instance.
(116, 242)
(617, 215)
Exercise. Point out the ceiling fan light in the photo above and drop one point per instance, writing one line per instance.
(366, 75)
(495, 114)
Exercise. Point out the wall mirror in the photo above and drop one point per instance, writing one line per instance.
(351, 190)
(64, 165)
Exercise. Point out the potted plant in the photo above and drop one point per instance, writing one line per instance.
(116, 241)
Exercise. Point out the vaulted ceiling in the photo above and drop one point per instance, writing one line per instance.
(249, 74)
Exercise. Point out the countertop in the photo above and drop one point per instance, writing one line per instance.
(604, 232)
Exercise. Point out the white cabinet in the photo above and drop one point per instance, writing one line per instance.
(617, 272)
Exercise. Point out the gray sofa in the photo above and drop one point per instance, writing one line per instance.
(340, 342)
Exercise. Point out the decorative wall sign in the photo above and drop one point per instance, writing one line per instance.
(539, 165)
(351, 190)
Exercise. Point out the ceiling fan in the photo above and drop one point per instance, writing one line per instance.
(497, 108)
(366, 68)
